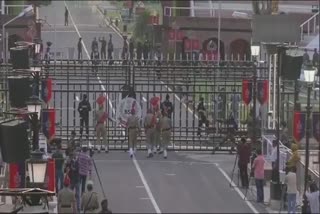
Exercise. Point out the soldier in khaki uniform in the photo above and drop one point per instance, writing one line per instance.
(100, 118)
(149, 125)
(165, 127)
(90, 200)
(66, 198)
(133, 130)
(157, 131)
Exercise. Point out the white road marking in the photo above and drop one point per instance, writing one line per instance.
(144, 198)
(86, 51)
(77, 99)
(254, 210)
(153, 201)
(170, 174)
(144, 99)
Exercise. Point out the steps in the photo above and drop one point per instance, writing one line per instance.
(309, 30)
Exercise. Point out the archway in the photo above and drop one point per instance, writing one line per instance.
(241, 48)
(210, 49)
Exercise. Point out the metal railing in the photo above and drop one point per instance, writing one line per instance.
(309, 27)
(192, 11)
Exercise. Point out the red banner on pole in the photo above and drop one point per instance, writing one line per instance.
(14, 176)
(179, 35)
(263, 91)
(316, 125)
(172, 35)
(48, 122)
(187, 45)
(51, 176)
(299, 126)
(195, 45)
(246, 91)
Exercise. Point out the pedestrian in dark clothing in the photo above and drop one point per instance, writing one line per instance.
(125, 47)
(59, 162)
(244, 153)
(146, 52)
(202, 117)
(103, 48)
(139, 52)
(167, 106)
(306, 58)
(131, 49)
(95, 57)
(66, 17)
(105, 207)
(110, 48)
(315, 57)
(84, 108)
(79, 46)
(73, 173)
(94, 44)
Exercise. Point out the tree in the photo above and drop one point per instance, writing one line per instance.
(142, 30)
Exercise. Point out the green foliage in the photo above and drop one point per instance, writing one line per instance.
(142, 30)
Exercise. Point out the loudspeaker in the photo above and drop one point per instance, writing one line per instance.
(291, 67)
(14, 142)
(20, 90)
(20, 57)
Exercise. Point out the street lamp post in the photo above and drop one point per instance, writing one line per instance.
(4, 48)
(34, 107)
(255, 52)
(309, 75)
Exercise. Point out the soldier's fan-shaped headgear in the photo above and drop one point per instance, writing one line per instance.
(155, 101)
(101, 99)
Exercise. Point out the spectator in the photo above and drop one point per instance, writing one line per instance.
(85, 164)
(139, 52)
(131, 49)
(73, 173)
(110, 47)
(71, 144)
(89, 200)
(244, 152)
(305, 57)
(258, 167)
(94, 44)
(105, 207)
(295, 158)
(66, 199)
(95, 57)
(66, 17)
(145, 51)
(315, 57)
(59, 162)
(274, 160)
(313, 198)
(79, 47)
(284, 136)
(103, 47)
(291, 182)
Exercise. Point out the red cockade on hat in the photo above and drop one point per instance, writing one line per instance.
(101, 99)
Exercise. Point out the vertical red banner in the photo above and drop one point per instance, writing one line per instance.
(246, 91)
(299, 126)
(48, 118)
(51, 175)
(14, 177)
(263, 91)
(187, 45)
(195, 45)
(172, 35)
(46, 91)
(316, 125)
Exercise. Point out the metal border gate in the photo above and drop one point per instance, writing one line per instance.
(184, 83)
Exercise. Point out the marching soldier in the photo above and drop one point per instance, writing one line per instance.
(157, 130)
(66, 198)
(101, 131)
(149, 125)
(165, 127)
(133, 130)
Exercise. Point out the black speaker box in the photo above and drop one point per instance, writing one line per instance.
(20, 57)
(14, 141)
(291, 67)
(20, 90)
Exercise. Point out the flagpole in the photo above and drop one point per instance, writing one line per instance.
(219, 31)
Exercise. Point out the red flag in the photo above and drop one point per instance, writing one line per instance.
(246, 91)
(14, 177)
(172, 35)
(195, 45)
(187, 45)
(51, 176)
(263, 91)
(46, 92)
(299, 126)
(316, 125)
(48, 122)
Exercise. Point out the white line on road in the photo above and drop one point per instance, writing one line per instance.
(145, 184)
(254, 210)
(77, 99)
(144, 99)
(73, 31)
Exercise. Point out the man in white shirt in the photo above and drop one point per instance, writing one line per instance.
(313, 198)
(274, 160)
(291, 182)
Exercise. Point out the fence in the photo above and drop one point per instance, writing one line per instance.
(184, 82)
